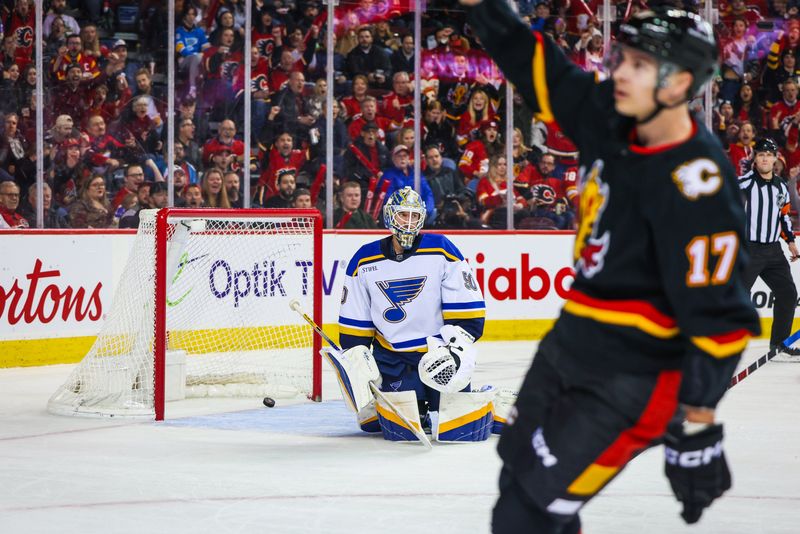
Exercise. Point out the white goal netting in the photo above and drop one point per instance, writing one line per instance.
(229, 329)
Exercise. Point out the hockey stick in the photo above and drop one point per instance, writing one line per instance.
(295, 305)
(750, 369)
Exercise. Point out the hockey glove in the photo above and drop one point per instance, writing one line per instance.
(449, 364)
(695, 466)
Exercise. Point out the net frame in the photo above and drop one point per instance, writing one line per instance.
(162, 238)
(97, 386)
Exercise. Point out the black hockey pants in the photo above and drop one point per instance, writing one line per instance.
(769, 262)
(571, 432)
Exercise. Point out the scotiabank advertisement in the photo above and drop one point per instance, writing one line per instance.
(59, 287)
(522, 276)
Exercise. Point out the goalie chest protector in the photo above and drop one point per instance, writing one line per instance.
(401, 300)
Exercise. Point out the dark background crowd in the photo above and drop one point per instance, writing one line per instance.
(106, 124)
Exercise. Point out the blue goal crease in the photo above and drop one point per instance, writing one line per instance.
(307, 419)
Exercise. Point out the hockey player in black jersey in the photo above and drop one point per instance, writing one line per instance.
(657, 317)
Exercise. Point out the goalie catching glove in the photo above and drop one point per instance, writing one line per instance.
(355, 369)
(448, 365)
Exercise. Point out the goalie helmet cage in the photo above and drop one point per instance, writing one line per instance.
(211, 288)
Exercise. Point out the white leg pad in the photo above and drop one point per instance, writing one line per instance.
(465, 416)
(394, 429)
(504, 400)
(368, 418)
(354, 368)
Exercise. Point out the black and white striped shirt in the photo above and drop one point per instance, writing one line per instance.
(767, 206)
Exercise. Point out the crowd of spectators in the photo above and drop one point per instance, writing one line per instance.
(106, 108)
(756, 93)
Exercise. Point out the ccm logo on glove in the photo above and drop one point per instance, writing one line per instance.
(691, 459)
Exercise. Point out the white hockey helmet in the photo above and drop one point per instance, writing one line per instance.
(398, 215)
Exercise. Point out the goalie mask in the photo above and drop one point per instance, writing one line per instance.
(404, 214)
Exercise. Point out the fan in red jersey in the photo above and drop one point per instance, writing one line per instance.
(474, 162)
(280, 157)
(492, 194)
(546, 195)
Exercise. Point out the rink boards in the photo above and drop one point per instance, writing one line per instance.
(56, 287)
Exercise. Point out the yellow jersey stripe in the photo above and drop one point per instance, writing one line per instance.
(540, 82)
(720, 350)
(367, 260)
(355, 331)
(386, 345)
(592, 479)
(441, 251)
(621, 318)
(463, 314)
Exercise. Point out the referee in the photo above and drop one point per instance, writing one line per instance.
(766, 197)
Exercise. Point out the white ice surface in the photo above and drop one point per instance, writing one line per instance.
(307, 468)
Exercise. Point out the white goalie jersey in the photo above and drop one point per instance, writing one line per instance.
(398, 301)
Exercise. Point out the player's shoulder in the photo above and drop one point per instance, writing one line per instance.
(438, 244)
(704, 144)
(368, 253)
(699, 171)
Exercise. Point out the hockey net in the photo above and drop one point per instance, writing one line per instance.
(209, 291)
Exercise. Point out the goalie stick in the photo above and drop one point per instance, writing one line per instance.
(295, 305)
(750, 369)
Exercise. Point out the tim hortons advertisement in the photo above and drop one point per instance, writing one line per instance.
(59, 286)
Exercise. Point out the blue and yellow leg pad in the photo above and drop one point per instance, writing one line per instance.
(368, 418)
(394, 429)
(465, 416)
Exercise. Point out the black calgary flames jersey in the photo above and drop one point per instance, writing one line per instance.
(659, 249)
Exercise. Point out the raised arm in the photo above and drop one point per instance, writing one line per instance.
(548, 81)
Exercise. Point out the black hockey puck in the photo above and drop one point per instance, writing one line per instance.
(269, 402)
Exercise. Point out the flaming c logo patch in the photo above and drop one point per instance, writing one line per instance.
(590, 249)
(697, 178)
(458, 94)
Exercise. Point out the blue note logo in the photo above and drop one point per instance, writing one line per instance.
(400, 292)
